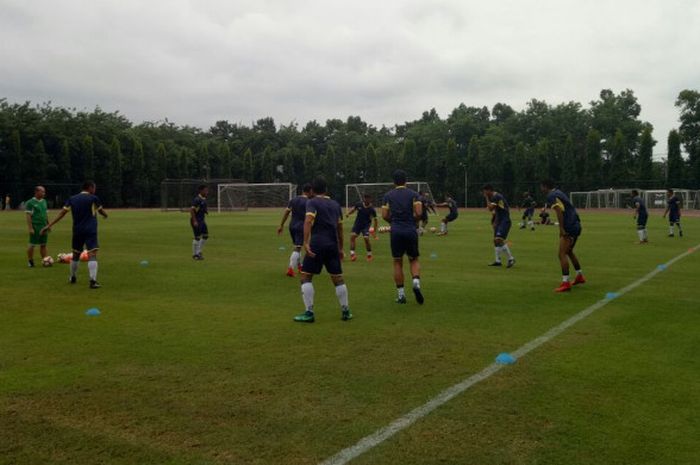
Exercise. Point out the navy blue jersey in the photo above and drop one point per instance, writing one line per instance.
(557, 198)
(639, 203)
(327, 215)
(528, 202)
(83, 208)
(400, 202)
(199, 205)
(452, 205)
(365, 214)
(297, 207)
(674, 205)
(502, 211)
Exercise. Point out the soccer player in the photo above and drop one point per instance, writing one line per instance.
(673, 210)
(528, 204)
(402, 208)
(198, 221)
(84, 208)
(37, 219)
(640, 214)
(297, 209)
(498, 206)
(366, 216)
(451, 216)
(544, 218)
(569, 232)
(323, 243)
(428, 205)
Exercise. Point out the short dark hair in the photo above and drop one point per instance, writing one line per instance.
(399, 177)
(88, 185)
(201, 187)
(487, 187)
(367, 196)
(548, 183)
(306, 187)
(319, 185)
(669, 190)
(635, 192)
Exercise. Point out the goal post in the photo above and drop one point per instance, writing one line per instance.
(241, 196)
(356, 192)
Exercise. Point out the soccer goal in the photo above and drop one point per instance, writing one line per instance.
(242, 196)
(356, 192)
(657, 198)
(603, 198)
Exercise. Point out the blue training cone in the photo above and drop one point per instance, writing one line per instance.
(433, 255)
(505, 359)
(611, 295)
(144, 263)
(92, 312)
(283, 248)
(661, 267)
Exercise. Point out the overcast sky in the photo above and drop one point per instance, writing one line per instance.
(196, 62)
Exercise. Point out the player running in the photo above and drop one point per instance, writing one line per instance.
(673, 210)
(569, 232)
(37, 219)
(366, 217)
(84, 208)
(402, 208)
(529, 205)
(500, 220)
(323, 243)
(198, 221)
(297, 209)
(428, 206)
(641, 215)
(451, 216)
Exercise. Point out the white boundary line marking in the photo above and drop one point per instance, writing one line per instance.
(403, 422)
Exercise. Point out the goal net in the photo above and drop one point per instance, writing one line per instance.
(177, 194)
(356, 192)
(242, 196)
(603, 198)
(657, 198)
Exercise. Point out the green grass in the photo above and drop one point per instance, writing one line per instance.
(200, 363)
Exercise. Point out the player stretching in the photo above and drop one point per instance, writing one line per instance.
(84, 208)
(297, 208)
(37, 218)
(673, 210)
(402, 208)
(498, 205)
(569, 232)
(366, 215)
(198, 221)
(428, 206)
(323, 243)
(640, 213)
(454, 213)
(528, 204)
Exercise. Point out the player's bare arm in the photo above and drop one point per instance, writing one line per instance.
(308, 224)
(284, 220)
(102, 213)
(29, 223)
(58, 218)
(341, 253)
(560, 220)
(350, 212)
(374, 233)
(386, 214)
(417, 210)
(193, 217)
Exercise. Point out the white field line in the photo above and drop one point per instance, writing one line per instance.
(403, 422)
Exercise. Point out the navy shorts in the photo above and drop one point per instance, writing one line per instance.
(424, 216)
(360, 230)
(404, 243)
(501, 230)
(529, 213)
(297, 235)
(673, 219)
(642, 221)
(573, 232)
(327, 257)
(451, 217)
(85, 240)
(201, 230)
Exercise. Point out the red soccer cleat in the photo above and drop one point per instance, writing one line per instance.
(579, 279)
(370, 258)
(353, 257)
(565, 286)
(290, 272)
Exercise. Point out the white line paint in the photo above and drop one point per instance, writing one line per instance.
(401, 423)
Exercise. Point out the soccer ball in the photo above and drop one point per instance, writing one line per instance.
(433, 229)
(47, 261)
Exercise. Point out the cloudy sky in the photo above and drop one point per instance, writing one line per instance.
(196, 62)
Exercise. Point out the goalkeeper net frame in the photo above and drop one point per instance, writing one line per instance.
(603, 198)
(355, 192)
(657, 198)
(241, 196)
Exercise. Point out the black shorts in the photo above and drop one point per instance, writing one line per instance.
(360, 230)
(85, 240)
(297, 234)
(673, 219)
(404, 243)
(501, 230)
(327, 257)
(424, 216)
(451, 217)
(573, 232)
(528, 213)
(642, 221)
(201, 230)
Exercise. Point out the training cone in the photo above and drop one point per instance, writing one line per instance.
(433, 255)
(144, 263)
(661, 267)
(611, 295)
(283, 248)
(505, 359)
(92, 312)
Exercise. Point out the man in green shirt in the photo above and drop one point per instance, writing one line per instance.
(37, 219)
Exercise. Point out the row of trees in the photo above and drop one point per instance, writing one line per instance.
(584, 148)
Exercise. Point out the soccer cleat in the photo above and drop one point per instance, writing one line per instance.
(94, 284)
(532, 229)
(306, 317)
(195, 257)
(579, 279)
(290, 272)
(565, 286)
(670, 235)
(353, 257)
(370, 258)
(73, 279)
(200, 257)
(495, 264)
(680, 233)
(31, 263)
(419, 295)
(401, 300)
(511, 262)
(346, 315)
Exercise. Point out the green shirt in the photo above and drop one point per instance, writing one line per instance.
(38, 210)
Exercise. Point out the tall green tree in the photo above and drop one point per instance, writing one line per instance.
(594, 160)
(618, 173)
(688, 102)
(114, 173)
(674, 163)
(645, 167)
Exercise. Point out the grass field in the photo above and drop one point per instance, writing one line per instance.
(200, 362)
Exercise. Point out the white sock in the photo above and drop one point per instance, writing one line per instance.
(646, 235)
(497, 249)
(579, 272)
(342, 293)
(74, 267)
(369, 253)
(307, 294)
(565, 278)
(506, 249)
(443, 227)
(92, 269)
(195, 244)
(401, 291)
(640, 233)
(352, 252)
(202, 241)
(531, 224)
(416, 283)
(294, 259)
(670, 230)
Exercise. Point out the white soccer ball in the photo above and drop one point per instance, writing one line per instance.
(47, 261)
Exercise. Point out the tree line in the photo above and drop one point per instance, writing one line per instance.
(604, 144)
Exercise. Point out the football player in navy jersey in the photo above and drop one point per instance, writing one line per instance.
(297, 210)
(366, 216)
(198, 221)
(500, 221)
(673, 210)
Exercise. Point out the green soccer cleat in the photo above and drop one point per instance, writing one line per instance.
(346, 315)
(306, 317)
(401, 300)
(511, 262)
